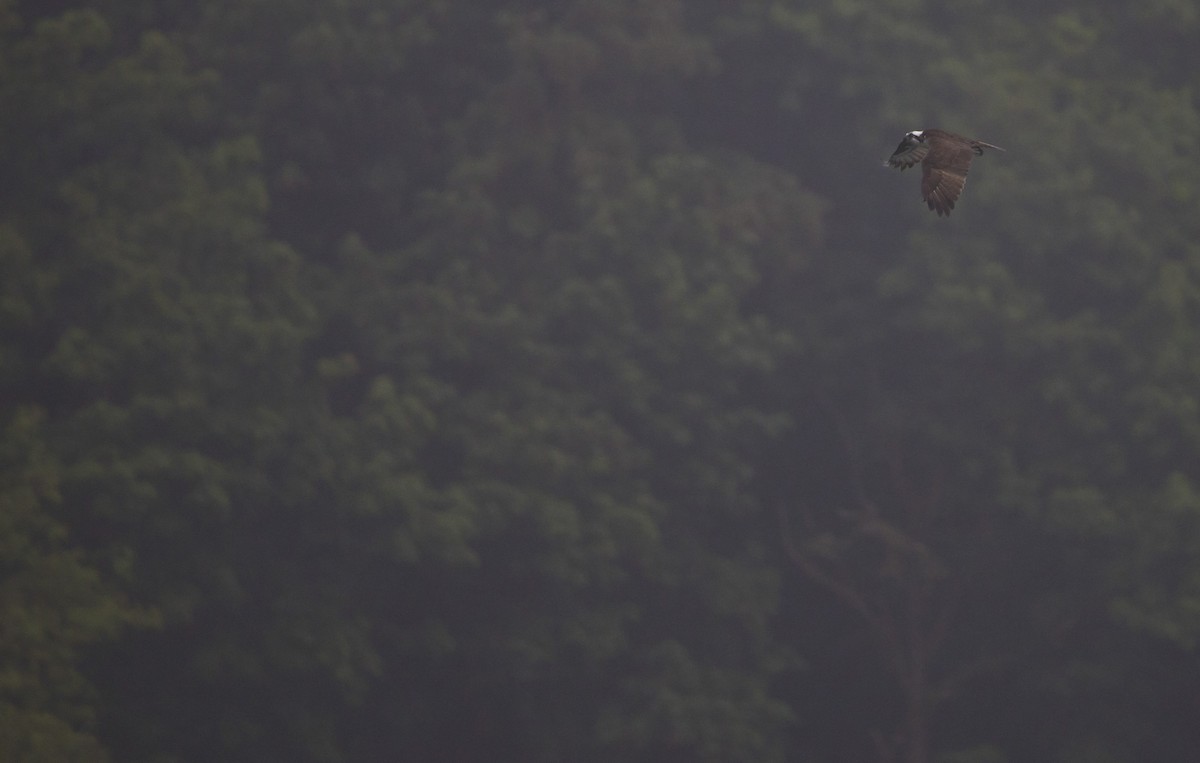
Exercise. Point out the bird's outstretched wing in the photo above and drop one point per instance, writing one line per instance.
(944, 176)
(907, 154)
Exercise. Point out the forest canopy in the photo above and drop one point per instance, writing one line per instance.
(515, 381)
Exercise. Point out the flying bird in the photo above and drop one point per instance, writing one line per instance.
(945, 159)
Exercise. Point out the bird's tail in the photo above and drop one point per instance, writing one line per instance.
(979, 144)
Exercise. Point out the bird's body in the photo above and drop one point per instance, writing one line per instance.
(944, 158)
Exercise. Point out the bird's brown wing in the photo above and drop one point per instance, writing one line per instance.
(944, 173)
(906, 156)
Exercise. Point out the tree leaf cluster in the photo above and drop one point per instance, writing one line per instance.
(389, 379)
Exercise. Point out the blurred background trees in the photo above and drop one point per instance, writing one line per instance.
(417, 380)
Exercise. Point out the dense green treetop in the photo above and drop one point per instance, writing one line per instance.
(389, 379)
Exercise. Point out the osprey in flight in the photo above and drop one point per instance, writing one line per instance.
(945, 159)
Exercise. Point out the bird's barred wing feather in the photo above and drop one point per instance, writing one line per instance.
(906, 156)
(941, 189)
(944, 176)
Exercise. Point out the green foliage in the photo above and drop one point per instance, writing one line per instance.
(54, 603)
(533, 383)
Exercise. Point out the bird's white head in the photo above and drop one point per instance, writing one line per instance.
(917, 135)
